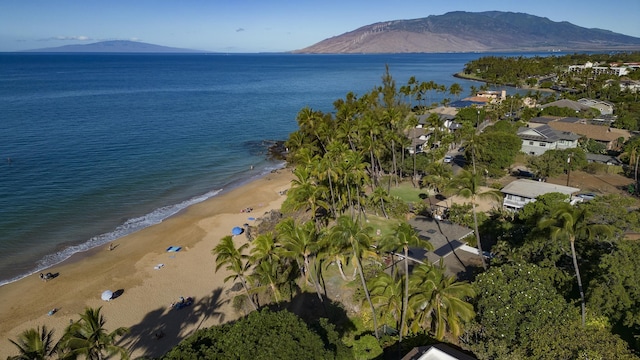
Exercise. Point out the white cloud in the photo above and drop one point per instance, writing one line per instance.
(69, 38)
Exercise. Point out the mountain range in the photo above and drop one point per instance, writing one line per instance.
(461, 31)
(116, 46)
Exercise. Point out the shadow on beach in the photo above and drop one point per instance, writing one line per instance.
(161, 329)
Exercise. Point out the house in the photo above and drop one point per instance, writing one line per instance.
(520, 192)
(604, 107)
(443, 236)
(537, 140)
(566, 103)
(420, 135)
(493, 95)
(436, 352)
(603, 134)
(603, 159)
(596, 129)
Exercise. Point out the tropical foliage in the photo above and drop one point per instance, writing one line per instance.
(86, 338)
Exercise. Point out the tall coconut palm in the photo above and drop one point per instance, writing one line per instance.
(300, 242)
(87, 337)
(568, 222)
(306, 192)
(386, 293)
(350, 233)
(438, 302)
(266, 273)
(265, 254)
(403, 237)
(379, 197)
(35, 344)
(235, 261)
(467, 185)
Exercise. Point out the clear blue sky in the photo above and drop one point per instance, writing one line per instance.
(260, 25)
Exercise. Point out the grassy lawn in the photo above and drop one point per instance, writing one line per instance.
(408, 193)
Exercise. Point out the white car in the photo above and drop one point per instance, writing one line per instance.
(448, 159)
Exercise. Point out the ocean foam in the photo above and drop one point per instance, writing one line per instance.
(128, 227)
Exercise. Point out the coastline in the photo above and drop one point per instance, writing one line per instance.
(129, 268)
(462, 75)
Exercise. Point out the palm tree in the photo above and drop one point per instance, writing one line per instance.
(467, 185)
(438, 302)
(88, 337)
(306, 192)
(235, 261)
(386, 292)
(266, 272)
(568, 223)
(300, 242)
(34, 344)
(438, 176)
(403, 237)
(349, 233)
(379, 197)
(265, 254)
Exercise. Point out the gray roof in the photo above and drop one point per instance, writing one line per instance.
(603, 159)
(547, 134)
(532, 189)
(542, 120)
(566, 103)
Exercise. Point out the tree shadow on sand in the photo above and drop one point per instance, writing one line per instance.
(163, 328)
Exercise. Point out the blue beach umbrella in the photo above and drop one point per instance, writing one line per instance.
(237, 230)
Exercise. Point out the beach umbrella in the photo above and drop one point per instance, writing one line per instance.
(107, 295)
(237, 230)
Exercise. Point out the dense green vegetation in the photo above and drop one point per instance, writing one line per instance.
(551, 72)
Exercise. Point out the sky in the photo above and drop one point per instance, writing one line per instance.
(250, 26)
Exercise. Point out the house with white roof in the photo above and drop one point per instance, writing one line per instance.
(520, 192)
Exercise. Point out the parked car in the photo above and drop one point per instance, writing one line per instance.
(587, 196)
(524, 174)
(448, 159)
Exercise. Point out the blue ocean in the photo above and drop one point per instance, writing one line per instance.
(96, 146)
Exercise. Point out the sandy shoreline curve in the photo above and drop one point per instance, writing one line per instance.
(148, 277)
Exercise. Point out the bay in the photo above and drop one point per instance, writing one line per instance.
(96, 146)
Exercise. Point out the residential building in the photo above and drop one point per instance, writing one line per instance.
(607, 136)
(605, 108)
(520, 192)
(436, 352)
(566, 103)
(537, 140)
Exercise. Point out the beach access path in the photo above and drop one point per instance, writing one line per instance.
(146, 277)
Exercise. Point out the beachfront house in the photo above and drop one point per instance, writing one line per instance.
(520, 192)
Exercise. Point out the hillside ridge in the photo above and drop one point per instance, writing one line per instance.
(461, 31)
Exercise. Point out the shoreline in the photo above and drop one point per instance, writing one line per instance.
(129, 268)
(461, 75)
(75, 251)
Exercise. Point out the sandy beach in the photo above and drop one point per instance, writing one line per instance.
(148, 277)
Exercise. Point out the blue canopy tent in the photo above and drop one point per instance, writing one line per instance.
(237, 230)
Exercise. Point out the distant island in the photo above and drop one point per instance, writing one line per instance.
(116, 46)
